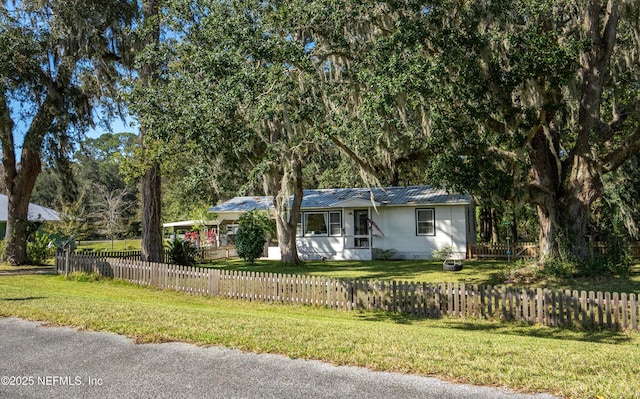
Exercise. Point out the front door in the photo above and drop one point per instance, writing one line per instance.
(361, 230)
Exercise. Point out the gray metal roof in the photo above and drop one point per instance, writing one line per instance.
(326, 198)
(35, 213)
(243, 204)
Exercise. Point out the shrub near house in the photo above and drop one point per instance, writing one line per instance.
(253, 229)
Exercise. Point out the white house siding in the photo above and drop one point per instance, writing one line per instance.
(316, 248)
(394, 214)
(398, 224)
(450, 230)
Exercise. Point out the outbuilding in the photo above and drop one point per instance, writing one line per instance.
(37, 213)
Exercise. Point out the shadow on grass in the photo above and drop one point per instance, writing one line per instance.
(537, 331)
(28, 298)
(380, 316)
(514, 328)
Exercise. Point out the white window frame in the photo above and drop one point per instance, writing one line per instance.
(325, 216)
(432, 221)
(299, 229)
(333, 224)
(303, 221)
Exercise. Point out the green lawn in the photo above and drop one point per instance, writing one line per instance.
(106, 245)
(573, 364)
(474, 272)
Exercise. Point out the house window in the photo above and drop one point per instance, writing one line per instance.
(299, 227)
(335, 223)
(315, 224)
(425, 222)
(320, 224)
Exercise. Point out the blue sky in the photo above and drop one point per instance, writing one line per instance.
(117, 126)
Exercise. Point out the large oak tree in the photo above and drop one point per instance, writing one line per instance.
(57, 60)
(535, 101)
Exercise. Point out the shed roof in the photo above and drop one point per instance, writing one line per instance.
(36, 212)
(334, 197)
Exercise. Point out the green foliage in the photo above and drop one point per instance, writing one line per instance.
(558, 267)
(73, 219)
(3, 247)
(182, 252)
(606, 265)
(253, 229)
(66, 68)
(40, 248)
(383, 254)
(612, 259)
(442, 253)
(564, 263)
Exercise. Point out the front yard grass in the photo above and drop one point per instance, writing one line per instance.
(572, 364)
(130, 244)
(481, 272)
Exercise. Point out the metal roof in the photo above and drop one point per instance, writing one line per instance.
(35, 212)
(243, 204)
(327, 198)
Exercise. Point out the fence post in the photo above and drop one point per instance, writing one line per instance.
(66, 263)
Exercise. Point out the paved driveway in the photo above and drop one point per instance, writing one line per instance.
(60, 362)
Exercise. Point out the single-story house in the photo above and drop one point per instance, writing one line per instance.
(37, 213)
(366, 223)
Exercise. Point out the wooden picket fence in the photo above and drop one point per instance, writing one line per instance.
(522, 250)
(529, 250)
(203, 254)
(542, 306)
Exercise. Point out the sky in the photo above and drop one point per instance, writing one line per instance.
(117, 126)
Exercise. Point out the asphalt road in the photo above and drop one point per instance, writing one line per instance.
(59, 362)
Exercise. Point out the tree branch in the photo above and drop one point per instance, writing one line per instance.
(6, 139)
(364, 166)
(621, 153)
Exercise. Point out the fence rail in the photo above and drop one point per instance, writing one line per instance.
(543, 306)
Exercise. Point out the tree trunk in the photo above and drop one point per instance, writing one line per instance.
(287, 242)
(286, 214)
(151, 183)
(544, 187)
(584, 186)
(547, 245)
(485, 224)
(17, 222)
(20, 182)
(19, 195)
(495, 231)
(151, 188)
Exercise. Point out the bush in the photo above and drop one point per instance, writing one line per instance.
(442, 253)
(558, 267)
(253, 228)
(182, 252)
(40, 248)
(607, 265)
(383, 254)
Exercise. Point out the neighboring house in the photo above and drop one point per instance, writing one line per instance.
(362, 223)
(36, 213)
